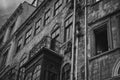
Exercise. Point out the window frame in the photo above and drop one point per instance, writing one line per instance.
(65, 75)
(38, 26)
(56, 32)
(21, 73)
(58, 8)
(109, 36)
(69, 26)
(2, 39)
(47, 19)
(28, 37)
(19, 44)
(4, 59)
(24, 59)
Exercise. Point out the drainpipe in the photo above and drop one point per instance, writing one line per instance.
(86, 57)
(73, 77)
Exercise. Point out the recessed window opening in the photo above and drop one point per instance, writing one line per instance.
(55, 38)
(101, 39)
(1, 39)
(119, 71)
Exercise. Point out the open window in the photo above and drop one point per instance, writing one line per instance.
(101, 39)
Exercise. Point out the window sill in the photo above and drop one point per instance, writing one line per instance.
(103, 54)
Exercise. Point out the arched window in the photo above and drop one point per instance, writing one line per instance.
(23, 60)
(66, 72)
(29, 76)
(116, 68)
(36, 74)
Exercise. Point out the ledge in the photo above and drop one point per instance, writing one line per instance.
(103, 54)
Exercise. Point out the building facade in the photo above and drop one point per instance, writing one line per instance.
(36, 41)
(103, 21)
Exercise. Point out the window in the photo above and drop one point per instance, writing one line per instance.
(38, 26)
(36, 74)
(68, 26)
(47, 17)
(21, 73)
(23, 59)
(101, 39)
(56, 32)
(119, 71)
(19, 44)
(58, 7)
(66, 72)
(29, 76)
(1, 40)
(55, 37)
(4, 59)
(28, 35)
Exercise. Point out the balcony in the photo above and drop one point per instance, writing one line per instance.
(48, 43)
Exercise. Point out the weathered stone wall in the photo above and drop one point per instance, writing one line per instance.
(45, 29)
(101, 67)
(102, 9)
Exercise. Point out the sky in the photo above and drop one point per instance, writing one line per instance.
(7, 7)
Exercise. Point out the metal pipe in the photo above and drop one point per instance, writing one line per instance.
(76, 57)
(86, 57)
(72, 77)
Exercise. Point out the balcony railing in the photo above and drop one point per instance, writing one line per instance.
(46, 42)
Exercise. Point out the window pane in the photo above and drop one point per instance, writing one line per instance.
(28, 35)
(47, 17)
(58, 7)
(38, 26)
(68, 28)
(23, 59)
